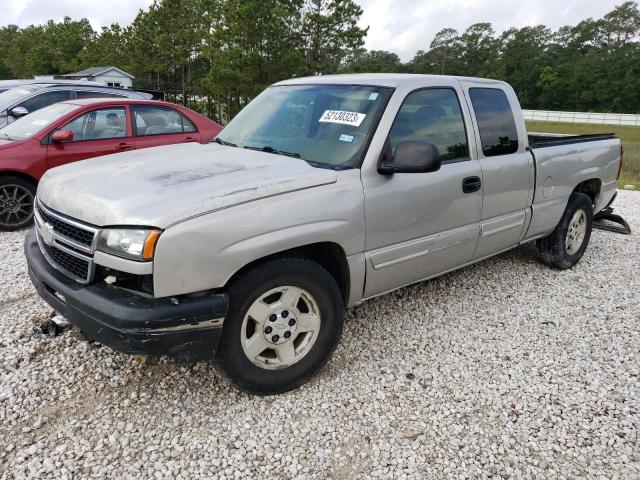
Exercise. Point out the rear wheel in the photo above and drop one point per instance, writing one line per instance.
(566, 245)
(16, 203)
(285, 318)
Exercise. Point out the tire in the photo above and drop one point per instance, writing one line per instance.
(16, 203)
(314, 325)
(566, 245)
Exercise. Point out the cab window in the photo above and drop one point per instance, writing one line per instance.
(498, 132)
(433, 116)
(99, 124)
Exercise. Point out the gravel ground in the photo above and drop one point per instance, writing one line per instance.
(505, 369)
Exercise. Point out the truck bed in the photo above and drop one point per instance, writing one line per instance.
(541, 140)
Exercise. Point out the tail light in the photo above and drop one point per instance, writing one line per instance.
(621, 159)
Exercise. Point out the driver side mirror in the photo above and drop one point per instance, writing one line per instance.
(62, 136)
(18, 112)
(412, 157)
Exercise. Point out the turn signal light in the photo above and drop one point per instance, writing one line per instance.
(150, 245)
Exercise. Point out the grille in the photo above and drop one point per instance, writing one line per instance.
(72, 264)
(83, 237)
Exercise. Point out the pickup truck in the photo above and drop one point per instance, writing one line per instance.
(322, 193)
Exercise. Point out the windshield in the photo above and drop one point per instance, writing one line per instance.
(29, 125)
(325, 125)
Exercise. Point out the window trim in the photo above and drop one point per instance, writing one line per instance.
(464, 123)
(50, 134)
(134, 125)
(481, 153)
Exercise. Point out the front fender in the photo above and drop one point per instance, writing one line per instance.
(204, 252)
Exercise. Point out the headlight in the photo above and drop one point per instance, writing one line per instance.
(135, 244)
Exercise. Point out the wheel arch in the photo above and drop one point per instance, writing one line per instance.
(330, 255)
(591, 188)
(22, 175)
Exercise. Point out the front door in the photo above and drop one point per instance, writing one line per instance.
(98, 132)
(422, 224)
(507, 168)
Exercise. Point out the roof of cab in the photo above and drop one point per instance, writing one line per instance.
(394, 80)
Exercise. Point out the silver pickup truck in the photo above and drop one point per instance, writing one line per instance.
(322, 193)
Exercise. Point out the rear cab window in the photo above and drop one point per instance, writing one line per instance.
(496, 123)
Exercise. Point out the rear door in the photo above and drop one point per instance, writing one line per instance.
(422, 224)
(507, 167)
(100, 131)
(155, 125)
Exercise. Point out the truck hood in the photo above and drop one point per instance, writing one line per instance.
(161, 186)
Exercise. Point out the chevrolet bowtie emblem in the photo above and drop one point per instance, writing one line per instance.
(46, 233)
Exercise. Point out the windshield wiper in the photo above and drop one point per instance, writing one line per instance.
(328, 166)
(270, 149)
(7, 137)
(219, 141)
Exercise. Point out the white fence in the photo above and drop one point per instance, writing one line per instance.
(583, 117)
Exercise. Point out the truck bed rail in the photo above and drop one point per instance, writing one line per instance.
(541, 140)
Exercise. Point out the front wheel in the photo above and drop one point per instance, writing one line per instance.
(285, 318)
(567, 243)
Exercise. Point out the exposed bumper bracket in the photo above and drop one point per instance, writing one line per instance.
(607, 220)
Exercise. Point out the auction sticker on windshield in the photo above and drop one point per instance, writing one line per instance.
(339, 116)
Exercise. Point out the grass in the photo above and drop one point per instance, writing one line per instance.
(630, 137)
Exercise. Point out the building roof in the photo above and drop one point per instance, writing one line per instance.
(95, 71)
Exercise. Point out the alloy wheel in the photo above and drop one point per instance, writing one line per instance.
(576, 232)
(280, 327)
(16, 205)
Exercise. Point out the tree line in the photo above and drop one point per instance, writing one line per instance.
(216, 55)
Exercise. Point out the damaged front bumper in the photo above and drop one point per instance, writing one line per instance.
(185, 328)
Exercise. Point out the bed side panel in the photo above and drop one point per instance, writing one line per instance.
(559, 169)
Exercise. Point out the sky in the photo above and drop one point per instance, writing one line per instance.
(400, 26)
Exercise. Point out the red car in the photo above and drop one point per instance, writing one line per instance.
(79, 129)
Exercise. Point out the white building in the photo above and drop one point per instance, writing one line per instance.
(109, 76)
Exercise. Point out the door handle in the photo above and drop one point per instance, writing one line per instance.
(189, 139)
(124, 146)
(471, 184)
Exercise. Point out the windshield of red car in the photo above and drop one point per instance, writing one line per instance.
(27, 126)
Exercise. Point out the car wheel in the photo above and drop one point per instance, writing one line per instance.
(285, 319)
(566, 245)
(16, 203)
